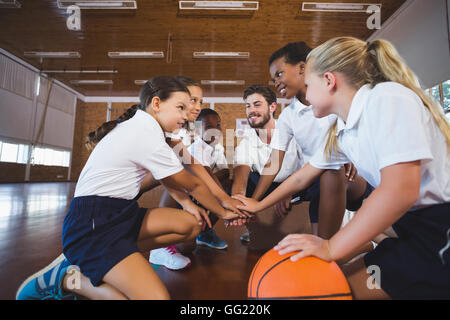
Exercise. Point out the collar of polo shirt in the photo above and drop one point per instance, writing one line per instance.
(354, 114)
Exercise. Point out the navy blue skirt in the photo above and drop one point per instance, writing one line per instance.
(99, 232)
(416, 265)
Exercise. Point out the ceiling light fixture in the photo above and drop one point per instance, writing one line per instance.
(10, 4)
(218, 5)
(98, 4)
(80, 71)
(223, 82)
(140, 82)
(96, 82)
(337, 7)
(227, 55)
(57, 55)
(137, 55)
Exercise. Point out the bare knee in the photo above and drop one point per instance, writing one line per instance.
(196, 228)
(190, 228)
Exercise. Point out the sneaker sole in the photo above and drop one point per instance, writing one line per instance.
(206, 244)
(173, 269)
(54, 263)
(188, 265)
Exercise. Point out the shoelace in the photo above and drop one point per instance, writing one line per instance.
(172, 249)
(57, 294)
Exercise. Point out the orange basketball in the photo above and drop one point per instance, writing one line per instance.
(277, 277)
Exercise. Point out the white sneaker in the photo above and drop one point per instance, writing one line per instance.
(169, 257)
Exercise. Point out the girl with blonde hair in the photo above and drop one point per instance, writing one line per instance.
(398, 139)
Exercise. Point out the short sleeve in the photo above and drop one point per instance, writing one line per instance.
(283, 133)
(219, 158)
(242, 156)
(159, 159)
(396, 128)
(335, 161)
(202, 153)
(182, 135)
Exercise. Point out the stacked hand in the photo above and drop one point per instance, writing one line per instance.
(247, 204)
(234, 217)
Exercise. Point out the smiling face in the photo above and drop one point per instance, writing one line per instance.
(196, 101)
(171, 113)
(258, 110)
(288, 78)
(317, 92)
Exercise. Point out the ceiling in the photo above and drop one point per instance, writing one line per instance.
(40, 26)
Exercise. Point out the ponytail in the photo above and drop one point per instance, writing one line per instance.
(395, 69)
(161, 86)
(370, 62)
(95, 136)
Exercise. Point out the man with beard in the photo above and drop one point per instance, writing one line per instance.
(253, 152)
(330, 194)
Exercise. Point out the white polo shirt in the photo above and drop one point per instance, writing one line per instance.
(387, 125)
(184, 135)
(253, 152)
(298, 121)
(207, 155)
(121, 160)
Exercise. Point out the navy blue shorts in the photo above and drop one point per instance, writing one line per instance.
(99, 232)
(416, 265)
(311, 194)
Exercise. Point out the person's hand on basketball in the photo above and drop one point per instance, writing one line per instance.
(249, 204)
(306, 244)
(199, 213)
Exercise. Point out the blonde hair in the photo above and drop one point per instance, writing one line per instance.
(369, 62)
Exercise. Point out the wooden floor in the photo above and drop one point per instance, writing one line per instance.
(31, 217)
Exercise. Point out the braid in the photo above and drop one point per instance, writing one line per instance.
(161, 86)
(95, 136)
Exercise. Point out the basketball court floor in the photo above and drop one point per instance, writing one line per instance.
(31, 217)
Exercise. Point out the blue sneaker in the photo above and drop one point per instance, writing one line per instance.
(210, 239)
(47, 283)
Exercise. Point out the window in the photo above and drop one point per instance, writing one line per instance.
(9, 152)
(441, 93)
(18, 153)
(50, 157)
(446, 94)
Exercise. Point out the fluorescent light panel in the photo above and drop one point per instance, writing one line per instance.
(337, 7)
(229, 55)
(137, 55)
(98, 4)
(80, 71)
(222, 82)
(99, 82)
(60, 55)
(11, 4)
(218, 5)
